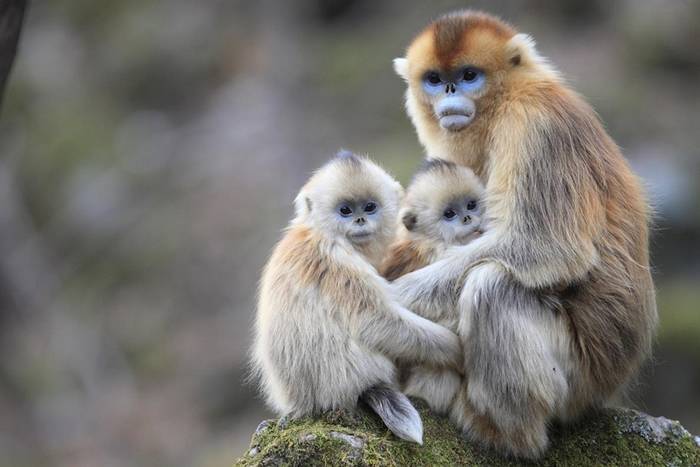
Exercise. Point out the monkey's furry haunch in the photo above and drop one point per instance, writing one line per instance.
(327, 329)
(567, 217)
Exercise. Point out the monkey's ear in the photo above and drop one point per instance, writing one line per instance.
(400, 192)
(409, 220)
(401, 67)
(302, 205)
(520, 49)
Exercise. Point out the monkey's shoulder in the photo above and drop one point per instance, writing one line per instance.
(305, 260)
(550, 108)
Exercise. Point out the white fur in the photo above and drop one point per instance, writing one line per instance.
(327, 328)
(401, 67)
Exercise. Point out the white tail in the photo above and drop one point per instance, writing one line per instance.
(396, 411)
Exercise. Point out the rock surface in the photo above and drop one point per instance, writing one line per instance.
(622, 437)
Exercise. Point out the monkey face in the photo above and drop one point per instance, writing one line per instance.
(351, 200)
(453, 67)
(454, 222)
(452, 95)
(459, 220)
(359, 219)
(443, 203)
(449, 94)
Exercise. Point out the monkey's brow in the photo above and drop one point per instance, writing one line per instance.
(347, 200)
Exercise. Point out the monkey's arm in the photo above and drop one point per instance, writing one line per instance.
(403, 335)
(547, 188)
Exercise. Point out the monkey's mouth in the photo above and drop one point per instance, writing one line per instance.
(360, 236)
(455, 112)
(467, 237)
(455, 121)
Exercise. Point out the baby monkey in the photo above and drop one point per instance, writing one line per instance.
(327, 330)
(442, 208)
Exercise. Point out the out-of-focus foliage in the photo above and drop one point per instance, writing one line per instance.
(149, 153)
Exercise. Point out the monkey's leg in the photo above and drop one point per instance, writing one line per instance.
(436, 386)
(515, 350)
(613, 333)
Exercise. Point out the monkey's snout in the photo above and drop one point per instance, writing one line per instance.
(467, 220)
(360, 221)
(455, 112)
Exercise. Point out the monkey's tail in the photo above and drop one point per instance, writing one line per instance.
(396, 411)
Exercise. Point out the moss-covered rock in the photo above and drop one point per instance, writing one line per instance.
(621, 437)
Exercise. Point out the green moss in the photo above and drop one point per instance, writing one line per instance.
(611, 437)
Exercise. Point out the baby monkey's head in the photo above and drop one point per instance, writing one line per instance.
(351, 198)
(443, 203)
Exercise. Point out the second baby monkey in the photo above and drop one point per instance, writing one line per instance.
(442, 208)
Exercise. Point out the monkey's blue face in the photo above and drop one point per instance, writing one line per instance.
(453, 94)
(359, 218)
(459, 219)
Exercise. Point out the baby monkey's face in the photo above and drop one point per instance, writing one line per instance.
(459, 219)
(443, 204)
(455, 221)
(359, 219)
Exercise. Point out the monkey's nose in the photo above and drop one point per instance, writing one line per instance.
(467, 220)
(360, 221)
(450, 88)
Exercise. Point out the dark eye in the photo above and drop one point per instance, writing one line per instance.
(433, 77)
(470, 74)
(471, 205)
(370, 207)
(449, 213)
(345, 210)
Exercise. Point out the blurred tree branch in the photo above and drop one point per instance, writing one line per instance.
(11, 18)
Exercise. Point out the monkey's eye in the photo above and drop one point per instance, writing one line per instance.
(470, 74)
(345, 210)
(449, 213)
(370, 207)
(433, 78)
(471, 205)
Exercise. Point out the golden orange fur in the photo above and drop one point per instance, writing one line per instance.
(567, 217)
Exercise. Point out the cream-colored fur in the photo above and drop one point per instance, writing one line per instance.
(425, 234)
(327, 328)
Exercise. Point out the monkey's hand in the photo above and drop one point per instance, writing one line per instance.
(433, 290)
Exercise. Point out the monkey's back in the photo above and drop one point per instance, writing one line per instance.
(404, 256)
(613, 305)
(305, 349)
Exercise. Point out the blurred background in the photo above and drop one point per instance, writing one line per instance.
(149, 155)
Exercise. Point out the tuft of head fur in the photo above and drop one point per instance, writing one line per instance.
(347, 177)
(459, 38)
